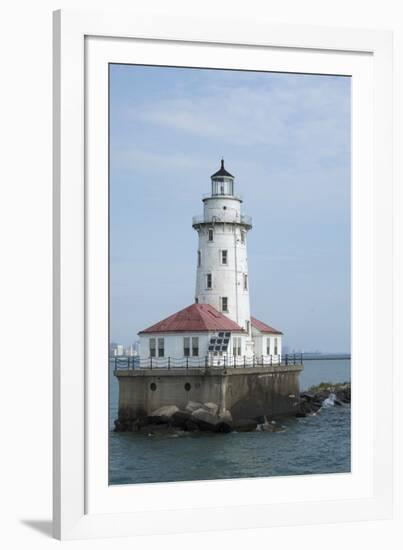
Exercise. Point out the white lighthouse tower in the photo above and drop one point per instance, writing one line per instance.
(222, 263)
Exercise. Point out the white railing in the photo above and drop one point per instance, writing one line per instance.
(221, 361)
(226, 218)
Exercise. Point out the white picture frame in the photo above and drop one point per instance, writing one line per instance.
(84, 505)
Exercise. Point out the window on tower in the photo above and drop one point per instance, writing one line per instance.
(209, 281)
(224, 304)
(224, 257)
(211, 234)
(243, 237)
(199, 258)
(245, 281)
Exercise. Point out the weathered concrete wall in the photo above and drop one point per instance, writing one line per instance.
(269, 393)
(249, 392)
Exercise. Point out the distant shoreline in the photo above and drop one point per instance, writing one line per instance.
(324, 356)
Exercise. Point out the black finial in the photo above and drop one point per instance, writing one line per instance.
(222, 171)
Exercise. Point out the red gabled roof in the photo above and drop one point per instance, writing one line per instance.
(195, 318)
(263, 327)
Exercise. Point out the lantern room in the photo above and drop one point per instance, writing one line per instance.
(222, 182)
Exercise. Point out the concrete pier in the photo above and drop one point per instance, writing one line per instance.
(245, 392)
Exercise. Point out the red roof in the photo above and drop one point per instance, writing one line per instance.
(195, 318)
(263, 327)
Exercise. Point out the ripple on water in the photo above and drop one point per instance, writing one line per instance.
(311, 445)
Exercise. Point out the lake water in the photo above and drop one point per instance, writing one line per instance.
(312, 445)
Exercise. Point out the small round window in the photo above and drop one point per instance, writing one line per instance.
(187, 386)
(153, 386)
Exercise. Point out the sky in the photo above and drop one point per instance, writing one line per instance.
(286, 139)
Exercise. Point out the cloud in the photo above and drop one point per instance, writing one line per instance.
(298, 112)
(154, 160)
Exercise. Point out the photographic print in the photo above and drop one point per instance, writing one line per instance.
(229, 274)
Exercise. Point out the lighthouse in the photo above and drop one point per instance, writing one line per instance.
(222, 279)
(213, 352)
(217, 329)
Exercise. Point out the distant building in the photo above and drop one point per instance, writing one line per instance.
(132, 350)
(112, 348)
(119, 350)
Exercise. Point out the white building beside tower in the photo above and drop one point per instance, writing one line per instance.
(218, 327)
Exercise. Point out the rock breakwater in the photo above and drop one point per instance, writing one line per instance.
(207, 417)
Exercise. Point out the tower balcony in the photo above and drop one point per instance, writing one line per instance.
(236, 196)
(245, 221)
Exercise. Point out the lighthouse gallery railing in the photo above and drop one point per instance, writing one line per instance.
(242, 219)
(126, 362)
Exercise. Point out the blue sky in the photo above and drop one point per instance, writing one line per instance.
(286, 138)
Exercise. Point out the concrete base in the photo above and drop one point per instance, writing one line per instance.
(246, 393)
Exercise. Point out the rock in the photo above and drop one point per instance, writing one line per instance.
(212, 408)
(167, 410)
(225, 416)
(139, 423)
(180, 418)
(309, 407)
(204, 420)
(119, 426)
(162, 415)
(191, 426)
(309, 403)
(307, 395)
(344, 395)
(322, 395)
(244, 425)
(223, 427)
(193, 406)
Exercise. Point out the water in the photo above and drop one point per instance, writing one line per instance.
(325, 370)
(312, 445)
